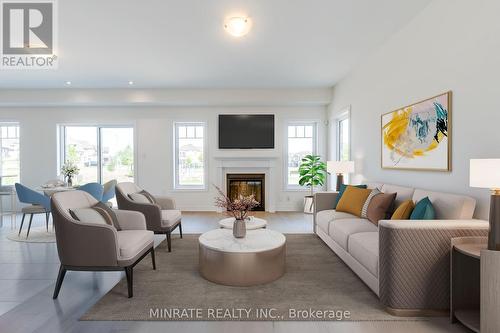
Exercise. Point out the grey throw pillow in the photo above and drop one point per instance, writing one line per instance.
(142, 197)
(99, 213)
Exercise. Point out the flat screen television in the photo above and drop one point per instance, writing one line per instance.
(242, 131)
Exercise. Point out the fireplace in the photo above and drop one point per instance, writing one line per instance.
(247, 184)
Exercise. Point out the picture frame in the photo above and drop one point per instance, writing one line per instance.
(418, 136)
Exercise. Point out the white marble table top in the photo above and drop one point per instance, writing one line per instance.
(49, 191)
(251, 224)
(259, 240)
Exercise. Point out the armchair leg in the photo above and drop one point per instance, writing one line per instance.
(29, 226)
(169, 241)
(180, 228)
(60, 278)
(153, 257)
(21, 227)
(129, 272)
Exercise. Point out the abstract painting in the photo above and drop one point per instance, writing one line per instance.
(417, 137)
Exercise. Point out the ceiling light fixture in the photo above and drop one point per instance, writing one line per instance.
(130, 83)
(68, 83)
(237, 26)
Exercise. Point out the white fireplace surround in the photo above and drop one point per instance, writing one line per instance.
(265, 165)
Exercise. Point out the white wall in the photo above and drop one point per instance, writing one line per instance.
(154, 142)
(451, 45)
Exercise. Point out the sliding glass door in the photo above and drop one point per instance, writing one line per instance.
(117, 154)
(102, 153)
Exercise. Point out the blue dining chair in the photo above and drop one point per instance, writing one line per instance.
(94, 189)
(39, 204)
(109, 190)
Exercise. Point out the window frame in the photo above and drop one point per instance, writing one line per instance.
(176, 186)
(62, 145)
(314, 123)
(17, 124)
(345, 115)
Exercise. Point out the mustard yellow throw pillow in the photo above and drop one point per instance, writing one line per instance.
(352, 200)
(404, 210)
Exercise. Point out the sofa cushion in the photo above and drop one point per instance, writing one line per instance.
(423, 210)
(448, 206)
(139, 198)
(340, 230)
(363, 247)
(107, 212)
(131, 242)
(352, 200)
(379, 207)
(403, 193)
(364, 210)
(91, 215)
(324, 217)
(404, 210)
(148, 195)
(170, 217)
(343, 187)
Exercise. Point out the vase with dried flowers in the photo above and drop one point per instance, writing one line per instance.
(238, 208)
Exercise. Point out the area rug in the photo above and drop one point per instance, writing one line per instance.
(317, 285)
(37, 235)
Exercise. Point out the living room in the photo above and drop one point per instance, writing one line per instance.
(157, 164)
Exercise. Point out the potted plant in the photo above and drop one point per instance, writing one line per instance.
(312, 173)
(237, 208)
(69, 170)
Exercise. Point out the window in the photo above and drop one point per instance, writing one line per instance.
(342, 142)
(9, 157)
(102, 153)
(301, 142)
(343, 147)
(189, 155)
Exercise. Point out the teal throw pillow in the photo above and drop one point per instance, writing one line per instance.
(341, 192)
(423, 210)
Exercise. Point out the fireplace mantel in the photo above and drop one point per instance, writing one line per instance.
(249, 164)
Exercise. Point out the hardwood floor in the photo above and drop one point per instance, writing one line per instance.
(28, 272)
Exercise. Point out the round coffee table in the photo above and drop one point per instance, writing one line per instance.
(251, 224)
(256, 259)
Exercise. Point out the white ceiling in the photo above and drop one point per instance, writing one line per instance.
(182, 44)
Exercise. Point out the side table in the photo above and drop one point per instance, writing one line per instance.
(475, 284)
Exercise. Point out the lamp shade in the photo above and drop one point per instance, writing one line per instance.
(485, 173)
(340, 167)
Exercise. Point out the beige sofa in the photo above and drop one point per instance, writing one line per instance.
(404, 262)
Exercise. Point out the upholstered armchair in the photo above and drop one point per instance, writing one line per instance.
(91, 245)
(161, 215)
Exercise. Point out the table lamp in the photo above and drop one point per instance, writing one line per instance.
(340, 168)
(485, 173)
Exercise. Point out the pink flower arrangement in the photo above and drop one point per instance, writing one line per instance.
(238, 208)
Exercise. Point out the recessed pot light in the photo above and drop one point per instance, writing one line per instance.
(237, 26)
(68, 83)
(130, 83)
